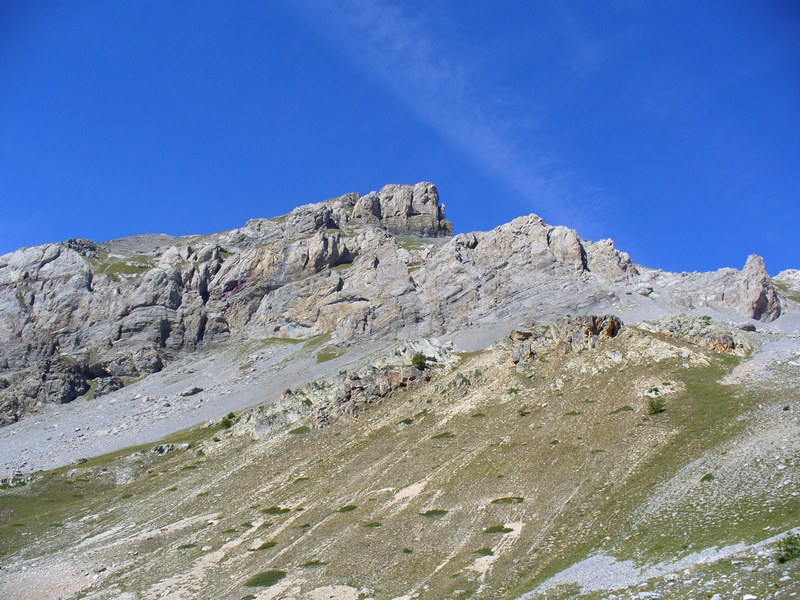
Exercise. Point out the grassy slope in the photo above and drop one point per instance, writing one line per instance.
(582, 467)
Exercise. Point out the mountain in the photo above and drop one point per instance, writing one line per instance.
(350, 402)
(79, 317)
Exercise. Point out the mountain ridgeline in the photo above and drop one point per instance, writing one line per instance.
(80, 318)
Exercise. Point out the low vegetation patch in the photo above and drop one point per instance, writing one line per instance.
(275, 510)
(266, 578)
(267, 545)
(443, 436)
(788, 548)
(347, 508)
(656, 405)
(434, 512)
(498, 529)
(330, 353)
(509, 500)
(313, 563)
(300, 430)
(484, 551)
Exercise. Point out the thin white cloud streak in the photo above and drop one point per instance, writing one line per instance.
(409, 59)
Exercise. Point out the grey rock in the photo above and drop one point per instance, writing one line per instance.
(382, 265)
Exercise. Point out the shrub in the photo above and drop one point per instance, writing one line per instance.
(509, 500)
(498, 529)
(656, 405)
(419, 362)
(434, 512)
(788, 548)
(275, 510)
(265, 579)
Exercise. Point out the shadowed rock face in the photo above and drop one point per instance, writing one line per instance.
(79, 316)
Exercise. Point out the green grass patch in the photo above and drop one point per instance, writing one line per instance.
(621, 409)
(330, 353)
(786, 291)
(310, 564)
(317, 342)
(346, 508)
(485, 551)
(265, 578)
(187, 546)
(372, 524)
(509, 500)
(299, 430)
(275, 510)
(445, 435)
(434, 512)
(266, 545)
(342, 266)
(498, 529)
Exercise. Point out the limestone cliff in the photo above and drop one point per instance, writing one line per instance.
(80, 317)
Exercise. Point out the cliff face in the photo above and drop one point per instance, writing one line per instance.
(79, 317)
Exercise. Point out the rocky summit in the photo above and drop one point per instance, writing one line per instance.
(348, 401)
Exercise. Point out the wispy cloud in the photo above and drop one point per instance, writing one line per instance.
(416, 65)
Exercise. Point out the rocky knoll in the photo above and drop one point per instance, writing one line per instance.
(82, 318)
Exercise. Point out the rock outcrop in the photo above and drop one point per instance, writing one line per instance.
(81, 317)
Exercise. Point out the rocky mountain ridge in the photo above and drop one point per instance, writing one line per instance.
(81, 318)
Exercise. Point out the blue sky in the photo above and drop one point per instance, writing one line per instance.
(672, 127)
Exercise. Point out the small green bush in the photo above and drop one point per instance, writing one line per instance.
(313, 563)
(788, 548)
(434, 512)
(347, 508)
(275, 510)
(497, 529)
(656, 405)
(418, 361)
(372, 524)
(509, 500)
(267, 545)
(265, 578)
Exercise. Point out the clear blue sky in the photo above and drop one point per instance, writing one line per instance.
(672, 127)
